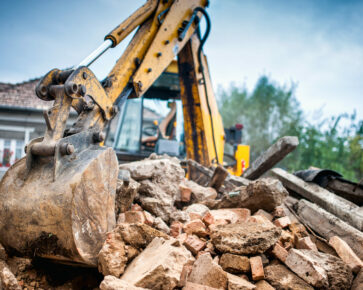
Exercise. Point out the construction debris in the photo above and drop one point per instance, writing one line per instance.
(217, 232)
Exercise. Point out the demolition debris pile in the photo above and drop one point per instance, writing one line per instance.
(211, 231)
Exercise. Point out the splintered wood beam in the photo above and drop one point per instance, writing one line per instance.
(342, 208)
(271, 156)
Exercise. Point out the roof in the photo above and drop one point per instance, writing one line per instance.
(21, 95)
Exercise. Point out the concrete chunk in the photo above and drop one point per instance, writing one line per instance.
(282, 278)
(234, 263)
(113, 283)
(244, 238)
(206, 272)
(319, 269)
(237, 283)
(159, 266)
(346, 253)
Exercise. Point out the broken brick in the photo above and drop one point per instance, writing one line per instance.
(306, 243)
(279, 252)
(176, 229)
(194, 244)
(196, 227)
(257, 268)
(282, 222)
(234, 263)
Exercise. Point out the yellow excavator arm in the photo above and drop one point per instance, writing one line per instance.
(61, 195)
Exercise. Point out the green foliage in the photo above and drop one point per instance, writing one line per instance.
(272, 111)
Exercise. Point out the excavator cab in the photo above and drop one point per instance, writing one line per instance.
(152, 123)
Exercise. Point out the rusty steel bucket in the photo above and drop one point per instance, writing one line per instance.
(64, 216)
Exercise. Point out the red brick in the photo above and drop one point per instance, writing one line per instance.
(185, 193)
(208, 219)
(176, 229)
(282, 222)
(259, 219)
(194, 244)
(196, 227)
(257, 268)
(187, 268)
(195, 216)
(279, 252)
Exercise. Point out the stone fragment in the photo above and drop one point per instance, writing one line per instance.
(234, 263)
(263, 285)
(149, 219)
(200, 193)
(125, 194)
(160, 225)
(217, 223)
(207, 273)
(208, 219)
(264, 213)
(244, 238)
(176, 228)
(319, 269)
(282, 278)
(138, 235)
(346, 253)
(131, 217)
(7, 278)
(196, 227)
(279, 252)
(306, 243)
(282, 222)
(112, 258)
(232, 215)
(131, 252)
(237, 283)
(187, 268)
(185, 193)
(265, 260)
(358, 281)
(194, 244)
(200, 209)
(159, 266)
(257, 268)
(179, 216)
(279, 212)
(195, 286)
(264, 193)
(259, 219)
(113, 283)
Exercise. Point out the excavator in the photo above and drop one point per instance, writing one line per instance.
(58, 201)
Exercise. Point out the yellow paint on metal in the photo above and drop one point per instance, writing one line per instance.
(242, 156)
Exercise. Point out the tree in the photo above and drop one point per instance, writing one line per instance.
(271, 111)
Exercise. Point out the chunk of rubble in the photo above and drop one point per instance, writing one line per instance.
(346, 253)
(263, 285)
(238, 283)
(125, 195)
(282, 278)
(160, 225)
(232, 215)
(208, 273)
(306, 243)
(138, 235)
(112, 258)
(199, 193)
(235, 264)
(198, 208)
(113, 283)
(3, 254)
(194, 244)
(319, 269)
(264, 193)
(265, 214)
(282, 222)
(7, 278)
(196, 227)
(245, 238)
(257, 268)
(180, 216)
(159, 266)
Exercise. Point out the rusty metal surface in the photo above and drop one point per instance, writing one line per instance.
(65, 219)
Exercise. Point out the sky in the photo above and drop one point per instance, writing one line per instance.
(316, 44)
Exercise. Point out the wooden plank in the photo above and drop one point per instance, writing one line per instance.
(346, 189)
(327, 225)
(333, 203)
(218, 178)
(271, 156)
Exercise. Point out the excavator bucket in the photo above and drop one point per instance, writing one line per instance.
(63, 207)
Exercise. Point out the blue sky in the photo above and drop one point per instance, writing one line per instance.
(316, 44)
